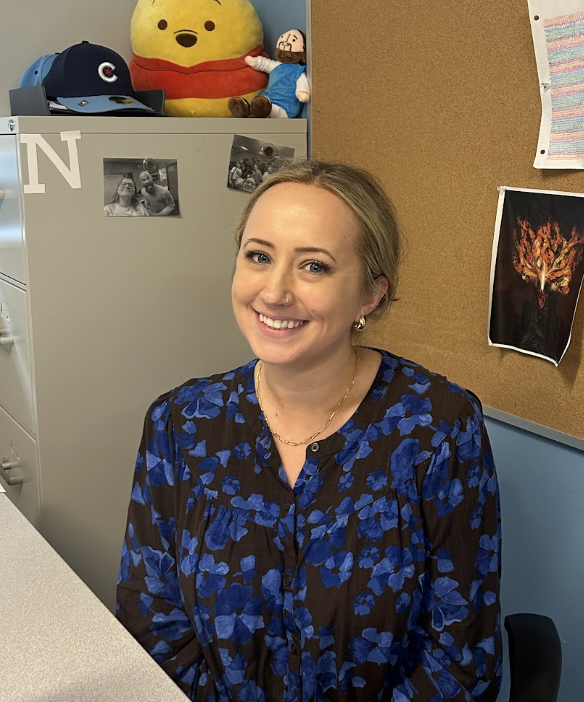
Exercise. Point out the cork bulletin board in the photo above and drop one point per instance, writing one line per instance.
(441, 101)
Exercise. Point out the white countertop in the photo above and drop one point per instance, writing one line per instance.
(58, 642)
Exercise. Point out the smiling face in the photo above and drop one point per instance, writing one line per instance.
(291, 41)
(126, 188)
(290, 47)
(189, 33)
(299, 245)
(147, 182)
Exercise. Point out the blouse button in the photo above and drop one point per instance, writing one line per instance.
(287, 579)
(314, 447)
(294, 650)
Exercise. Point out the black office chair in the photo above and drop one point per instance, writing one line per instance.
(535, 658)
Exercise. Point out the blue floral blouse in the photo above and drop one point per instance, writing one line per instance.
(375, 578)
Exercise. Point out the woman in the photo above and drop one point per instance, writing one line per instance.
(235, 173)
(322, 523)
(125, 202)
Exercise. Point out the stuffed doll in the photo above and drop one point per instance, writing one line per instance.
(287, 86)
(196, 52)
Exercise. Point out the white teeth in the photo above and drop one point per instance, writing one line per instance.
(279, 323)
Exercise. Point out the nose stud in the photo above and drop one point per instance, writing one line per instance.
(286, 303)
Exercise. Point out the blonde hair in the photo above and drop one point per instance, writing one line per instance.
(379, 244)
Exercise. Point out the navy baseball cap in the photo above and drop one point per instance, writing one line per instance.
(91, 79)
(37, 71)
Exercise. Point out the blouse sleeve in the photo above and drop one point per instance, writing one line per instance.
(149, 602)
(457, 652)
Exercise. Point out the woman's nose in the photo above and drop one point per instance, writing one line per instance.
(277, 289)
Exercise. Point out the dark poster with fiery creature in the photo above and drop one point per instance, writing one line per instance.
(536, 271)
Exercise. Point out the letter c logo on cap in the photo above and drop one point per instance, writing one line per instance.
(106, 71)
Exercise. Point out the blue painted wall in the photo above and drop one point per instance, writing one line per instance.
(542, 505)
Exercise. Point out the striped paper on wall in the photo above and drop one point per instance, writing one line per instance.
(558, 38)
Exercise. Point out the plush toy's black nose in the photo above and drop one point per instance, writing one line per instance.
(186, 40)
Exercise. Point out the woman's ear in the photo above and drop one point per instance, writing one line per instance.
(374, 295)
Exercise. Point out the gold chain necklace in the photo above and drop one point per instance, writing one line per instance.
(328, 421)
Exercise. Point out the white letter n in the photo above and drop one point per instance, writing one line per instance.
(72, 174)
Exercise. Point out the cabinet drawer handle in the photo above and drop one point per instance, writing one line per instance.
(6, 466)
(6, 339)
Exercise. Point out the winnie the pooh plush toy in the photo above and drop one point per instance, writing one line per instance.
(288, 85)
(196, 51)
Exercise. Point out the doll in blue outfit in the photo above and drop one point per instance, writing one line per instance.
(288, 85)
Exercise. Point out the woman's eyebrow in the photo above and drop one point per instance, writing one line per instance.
(262, 242)
(314, 249)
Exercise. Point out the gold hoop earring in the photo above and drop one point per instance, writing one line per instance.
(360, 325)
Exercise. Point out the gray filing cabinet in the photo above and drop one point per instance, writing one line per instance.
(99, 315)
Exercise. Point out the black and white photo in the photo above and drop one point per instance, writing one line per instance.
(140, 187)
(253, 161)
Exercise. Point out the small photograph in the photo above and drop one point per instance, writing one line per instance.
(140, 187)
(253, 161)
(536, 271)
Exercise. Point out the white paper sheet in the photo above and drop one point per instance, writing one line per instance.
(557, 28)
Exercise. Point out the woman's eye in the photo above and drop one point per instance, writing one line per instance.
(317, 267)
(257, 256)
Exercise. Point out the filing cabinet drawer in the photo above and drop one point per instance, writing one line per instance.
(15, 368)
(11, 238)
(18, 449)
